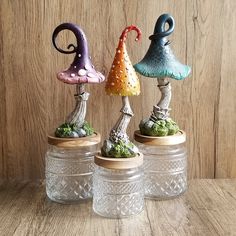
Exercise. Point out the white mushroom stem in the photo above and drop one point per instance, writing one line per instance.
(161, 110)
(78, 114)
(119, 130)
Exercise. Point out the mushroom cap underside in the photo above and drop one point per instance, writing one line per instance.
(160, 62)
(86, 74)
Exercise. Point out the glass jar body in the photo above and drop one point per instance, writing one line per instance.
(69, 173)
(118, 193)
(165, 170)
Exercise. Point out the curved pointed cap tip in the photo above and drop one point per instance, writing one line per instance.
(159, 60)
(81, 69)
(122, 79)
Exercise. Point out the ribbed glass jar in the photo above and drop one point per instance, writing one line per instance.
(69, 173)
(118, 193)
(165, 169)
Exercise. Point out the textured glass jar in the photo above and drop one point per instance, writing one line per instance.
(165, 166)
(69, 172)
(118, 192)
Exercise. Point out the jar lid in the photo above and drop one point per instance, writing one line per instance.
(175, 139)
(75, 142)
(119, 163)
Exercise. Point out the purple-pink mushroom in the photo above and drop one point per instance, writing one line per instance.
(81, 71)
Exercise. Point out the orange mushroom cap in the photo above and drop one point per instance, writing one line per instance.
(122, 79)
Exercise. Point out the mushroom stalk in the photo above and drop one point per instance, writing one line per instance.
(119, 130)
(77, 116)
(161, 110)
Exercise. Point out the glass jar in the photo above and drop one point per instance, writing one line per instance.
(118, 191)
(165, 165)
(69, 170)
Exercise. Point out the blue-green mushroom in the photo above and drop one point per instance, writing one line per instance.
(160, 62)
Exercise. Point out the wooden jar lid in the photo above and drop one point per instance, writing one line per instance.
(119, 163)
(75, 142)
(175, 139)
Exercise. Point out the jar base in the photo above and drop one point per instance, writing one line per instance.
(118, 205)
(69, 202)
(164, 198)
(117, 216)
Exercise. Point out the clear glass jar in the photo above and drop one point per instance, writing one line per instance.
(69, 173)
(165, 170)
(118, 193)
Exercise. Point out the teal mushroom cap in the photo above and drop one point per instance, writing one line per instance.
(159, 61)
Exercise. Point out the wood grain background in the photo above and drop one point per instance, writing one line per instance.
(33, 102)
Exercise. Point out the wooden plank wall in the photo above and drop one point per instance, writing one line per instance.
(33, 102)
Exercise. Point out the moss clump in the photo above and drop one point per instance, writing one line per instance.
(88, 128)
(173, 128)
(67, 130)
(64, 130)
(158, 128)
(120, 150)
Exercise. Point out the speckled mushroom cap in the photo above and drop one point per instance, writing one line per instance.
(81, 70)
(122, 79)
(159, 61)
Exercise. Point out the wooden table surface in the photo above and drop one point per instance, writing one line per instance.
(208, 208)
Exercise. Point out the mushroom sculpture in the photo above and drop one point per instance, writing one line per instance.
(80, 72)
(123, 81)
(160, 62)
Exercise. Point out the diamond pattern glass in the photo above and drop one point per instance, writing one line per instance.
(69, 173)
(118, 193)
(165, 170)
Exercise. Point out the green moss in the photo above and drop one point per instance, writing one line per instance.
(116, 151)
(63, 130)
(173, 128)
(67, 130)
(120, 150)
(158, 128)
(88, 128)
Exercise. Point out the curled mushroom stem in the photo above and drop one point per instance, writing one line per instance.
(77, 116)
(161, 110)
(121, 125)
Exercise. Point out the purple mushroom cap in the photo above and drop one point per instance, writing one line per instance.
(81, 70)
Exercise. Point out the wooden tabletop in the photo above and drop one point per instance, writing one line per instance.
(208, 208)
